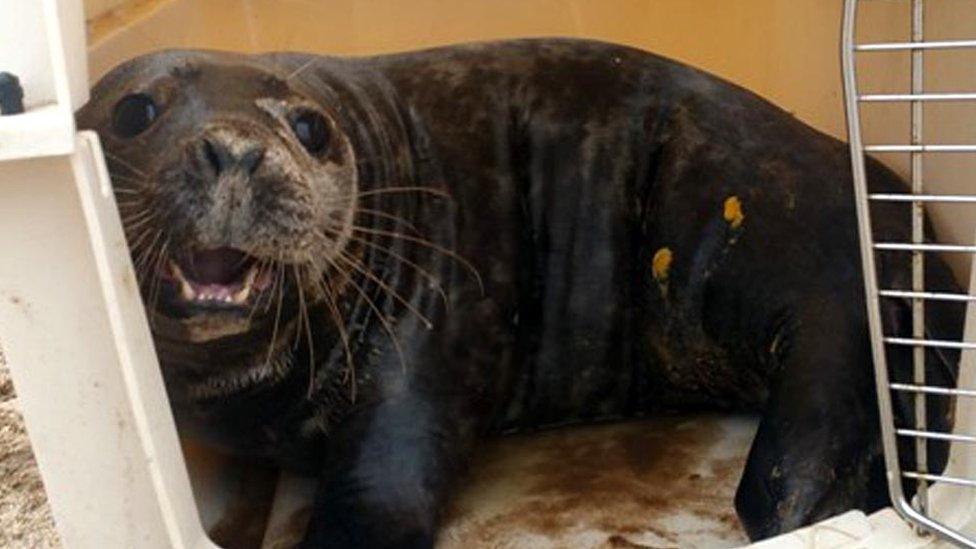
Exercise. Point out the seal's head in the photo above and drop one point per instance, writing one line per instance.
(236, 189)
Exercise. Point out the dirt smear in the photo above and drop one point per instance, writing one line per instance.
(665, 482)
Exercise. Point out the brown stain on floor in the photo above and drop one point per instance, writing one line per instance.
(619, 542)
(602, 486)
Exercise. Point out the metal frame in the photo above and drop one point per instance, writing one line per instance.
(917, 511)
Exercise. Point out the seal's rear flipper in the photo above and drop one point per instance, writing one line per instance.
(943, 322)
(818, 450)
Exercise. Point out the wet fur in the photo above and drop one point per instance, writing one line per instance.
(570, 166)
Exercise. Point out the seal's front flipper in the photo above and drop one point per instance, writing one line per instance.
(388, 475)
(818, 450)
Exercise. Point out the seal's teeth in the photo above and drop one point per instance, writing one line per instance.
(232, 294)
(241, 295)
(252, 273)
(186, 289)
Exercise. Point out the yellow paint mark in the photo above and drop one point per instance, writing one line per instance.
(733, 212)
(661, 264)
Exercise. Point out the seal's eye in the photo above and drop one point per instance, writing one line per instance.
(311, 130)
(133, 114)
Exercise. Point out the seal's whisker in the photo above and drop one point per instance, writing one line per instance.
(319, 283)
(392, 190)
(253, 308)
(116, 177)
(368, 273)
(298, 329)
(134, 220)
(140, 263)
(265, 264)
(124, 163)
(138, 221)
(130, 209)
(244, 259)
(126, 190)
(155, 285)
(153, 268)
(139, 240)
(133, 233)
(384, 215)
(131, 205)
(130, 201)
(147, 252)
(157, 270)
(274, 270)
(333, 307)
(299, 70)
(384, 322)
(426, 243)
(406, 188)
(303, 318)
(277, 271)
(279, 289)
(438, 287)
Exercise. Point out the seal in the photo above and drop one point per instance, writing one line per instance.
(359, 267)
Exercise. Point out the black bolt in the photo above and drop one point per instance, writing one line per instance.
(11, 94)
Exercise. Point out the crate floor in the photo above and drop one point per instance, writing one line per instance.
(666, 482)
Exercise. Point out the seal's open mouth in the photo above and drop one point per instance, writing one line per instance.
(218, 276)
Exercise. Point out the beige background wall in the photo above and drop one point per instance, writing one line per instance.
(95, 8)
(785, 50)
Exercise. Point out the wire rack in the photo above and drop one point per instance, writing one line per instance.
(920, 510)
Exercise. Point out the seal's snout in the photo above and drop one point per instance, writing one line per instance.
(222, 151)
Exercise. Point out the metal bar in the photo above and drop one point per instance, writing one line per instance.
(868, 267)
(907, 247)
(932, 390)
(940, 478)
(918, 258)
(920, 148)
(924, 97)
(911, 46)
(931, 296)
(934, 343)
(905, 197)
(951, 437)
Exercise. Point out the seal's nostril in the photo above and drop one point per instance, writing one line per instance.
(213, 156)
(222, 158)
(251, 160)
